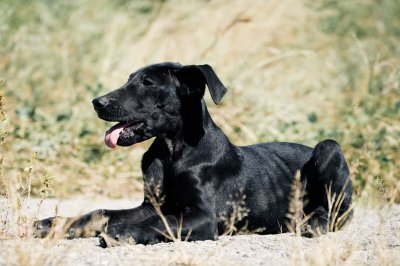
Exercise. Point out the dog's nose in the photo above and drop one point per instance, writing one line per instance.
(100, 102)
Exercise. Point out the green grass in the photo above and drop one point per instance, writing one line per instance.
(295, 71)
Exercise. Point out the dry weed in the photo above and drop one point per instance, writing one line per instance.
(155, 197)
(297, 217)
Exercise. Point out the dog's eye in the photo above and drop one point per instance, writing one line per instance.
(147, 82)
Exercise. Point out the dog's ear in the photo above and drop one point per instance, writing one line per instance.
(193, 78)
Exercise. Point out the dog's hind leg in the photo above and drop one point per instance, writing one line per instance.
(328, 189)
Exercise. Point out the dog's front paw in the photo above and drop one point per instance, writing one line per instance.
(107, 241)
(42, 228)
(50, 227)
(113, 240)
(115, 236)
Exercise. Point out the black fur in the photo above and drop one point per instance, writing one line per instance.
(198, 170)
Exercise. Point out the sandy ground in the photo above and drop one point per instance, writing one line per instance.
(372, 238)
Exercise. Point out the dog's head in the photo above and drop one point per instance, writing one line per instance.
(150, 103)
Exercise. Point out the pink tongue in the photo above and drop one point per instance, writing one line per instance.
(112, 135)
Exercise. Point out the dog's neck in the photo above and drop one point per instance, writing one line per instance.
(196, 123)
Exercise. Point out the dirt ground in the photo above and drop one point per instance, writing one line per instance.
(372, 238)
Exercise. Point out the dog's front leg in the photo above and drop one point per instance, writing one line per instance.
(90, 224)
(94, 223)
(194, 225)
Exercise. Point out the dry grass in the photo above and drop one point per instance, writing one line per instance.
(296, 216)
(298, 71)
(297, 219)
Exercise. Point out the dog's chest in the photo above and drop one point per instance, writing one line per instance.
(181, 189)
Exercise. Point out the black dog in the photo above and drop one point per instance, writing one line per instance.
(198, 170)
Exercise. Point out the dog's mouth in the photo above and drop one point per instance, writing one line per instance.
(121, 133)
